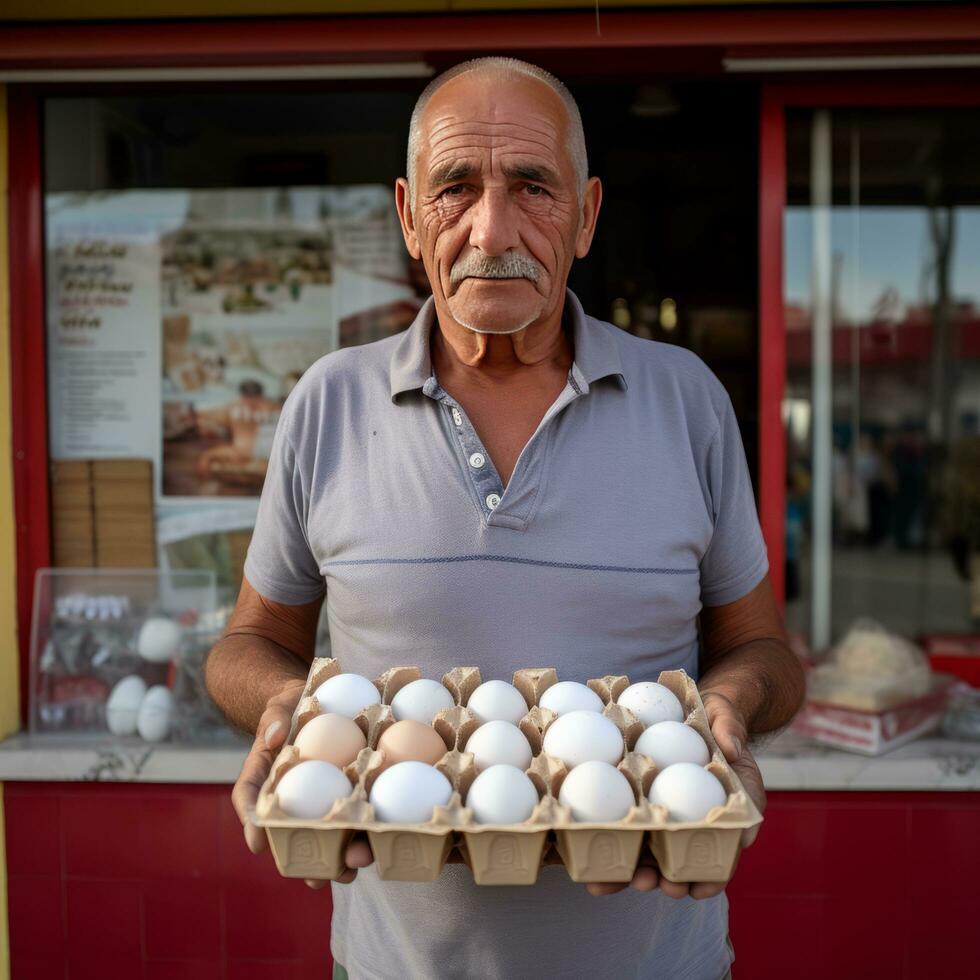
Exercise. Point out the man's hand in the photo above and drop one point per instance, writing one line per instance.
(269, 737)
(728, 728)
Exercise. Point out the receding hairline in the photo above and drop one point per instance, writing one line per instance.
(510, 68)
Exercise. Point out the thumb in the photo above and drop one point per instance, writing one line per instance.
(728, 730)
(275, 728)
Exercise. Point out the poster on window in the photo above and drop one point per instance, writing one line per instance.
(179, 321)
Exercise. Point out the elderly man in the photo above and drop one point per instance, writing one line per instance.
(509, 483)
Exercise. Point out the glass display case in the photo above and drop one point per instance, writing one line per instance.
(120, 653)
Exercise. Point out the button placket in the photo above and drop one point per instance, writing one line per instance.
(483, 476)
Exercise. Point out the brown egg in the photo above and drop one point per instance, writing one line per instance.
(330, 738)
(411, 741)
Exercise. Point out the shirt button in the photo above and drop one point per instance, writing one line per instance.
(477, 460)
(492, 500)
(457, 418)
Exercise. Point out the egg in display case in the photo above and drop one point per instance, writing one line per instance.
(119, 653)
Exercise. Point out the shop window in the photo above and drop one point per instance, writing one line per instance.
(882, 409)
(204, 248)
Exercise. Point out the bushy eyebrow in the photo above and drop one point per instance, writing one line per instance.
(532, 172)
(450, 172)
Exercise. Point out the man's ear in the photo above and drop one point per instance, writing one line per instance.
(407, 219)
(591, 202)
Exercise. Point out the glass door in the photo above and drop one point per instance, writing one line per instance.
(881, 331)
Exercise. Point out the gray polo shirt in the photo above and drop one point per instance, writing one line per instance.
(629, 508)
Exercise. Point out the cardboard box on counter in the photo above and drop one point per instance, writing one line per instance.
(874, 732)
(74, 555)
(135, 530)
(104, 470)
(506, 854)
(71, 471)
(71, 496)
(128, 494)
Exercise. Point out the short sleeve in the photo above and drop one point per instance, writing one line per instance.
(735, 560)
(280, 564)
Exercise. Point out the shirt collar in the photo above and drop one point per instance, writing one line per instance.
(596, 350)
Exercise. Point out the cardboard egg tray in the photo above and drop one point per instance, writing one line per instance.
(505, 854)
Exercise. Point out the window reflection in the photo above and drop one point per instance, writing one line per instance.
(900, 469)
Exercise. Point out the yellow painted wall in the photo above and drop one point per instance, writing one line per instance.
(169, 9)
(9, 660)
(8, 576)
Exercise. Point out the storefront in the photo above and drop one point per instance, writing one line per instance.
(198, 209)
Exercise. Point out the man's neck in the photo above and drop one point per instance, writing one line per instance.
(478, 358)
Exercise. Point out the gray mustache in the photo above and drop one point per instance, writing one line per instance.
(510, 265)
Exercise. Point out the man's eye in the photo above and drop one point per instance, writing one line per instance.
(453, 191)
(535, 190)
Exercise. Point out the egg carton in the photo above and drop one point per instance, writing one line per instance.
(509, 854)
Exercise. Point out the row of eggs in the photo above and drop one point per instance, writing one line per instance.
(421, 700)
(584, 739)
(134, 709)
(408, 792)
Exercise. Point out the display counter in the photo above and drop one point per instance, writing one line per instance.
(147, 836)
(788, 762)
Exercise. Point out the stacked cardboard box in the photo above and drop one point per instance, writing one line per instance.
(72, 520)
(103, 513)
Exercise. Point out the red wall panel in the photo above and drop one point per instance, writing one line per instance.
(129, 881)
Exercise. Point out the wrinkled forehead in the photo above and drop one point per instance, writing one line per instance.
(476, 113)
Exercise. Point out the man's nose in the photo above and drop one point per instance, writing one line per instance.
(493, 228)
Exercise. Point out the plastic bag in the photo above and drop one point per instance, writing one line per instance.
(870, 669)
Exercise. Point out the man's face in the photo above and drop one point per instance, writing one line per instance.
(496, 217)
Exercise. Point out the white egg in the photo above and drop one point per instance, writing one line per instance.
(568, 696)
(158, 640)
(156, 714)
(651, 702)
(346, 694)
(497, 701)
(596, 792)
(408, 792)
(421, 700)
(309, 789)
(583, 736)
(502, 794)
(688, 791)
(122, 708)
(499, 743)
(670, 742)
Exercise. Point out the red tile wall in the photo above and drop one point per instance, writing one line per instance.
(151, 883)
(155, 883)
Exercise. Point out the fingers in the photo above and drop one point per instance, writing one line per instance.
(748, 773)
(706, 889)
(645, 879)
(316, 883)
(599, 888)
(674, 889)
(272, 731)
(358, 853)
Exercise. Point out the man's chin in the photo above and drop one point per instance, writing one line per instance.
(489, 316)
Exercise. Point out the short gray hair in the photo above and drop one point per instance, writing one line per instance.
(504, 66)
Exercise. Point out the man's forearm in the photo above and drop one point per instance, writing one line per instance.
(763, 680)
(242, 672)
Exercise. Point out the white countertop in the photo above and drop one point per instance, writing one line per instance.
(789, 762)
(57, 758)
(793, 761)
